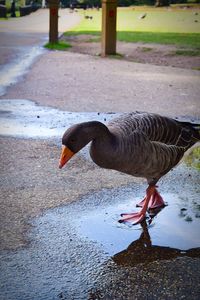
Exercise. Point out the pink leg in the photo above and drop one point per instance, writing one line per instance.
(136, 218)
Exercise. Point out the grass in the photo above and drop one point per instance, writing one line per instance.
(180, 27)
(173, 21)
(186, 52)
(193, 158)
(9, 16)
(17, 13)
(180, 39)
(57, 46)
(191, 40)
(128, 19)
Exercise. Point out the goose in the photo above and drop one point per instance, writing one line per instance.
(140, 144)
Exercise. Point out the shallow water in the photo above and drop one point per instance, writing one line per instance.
(175, 226)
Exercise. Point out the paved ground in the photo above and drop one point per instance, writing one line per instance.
(38, 22)
(77, 82)
(31, 182)
(19, 34)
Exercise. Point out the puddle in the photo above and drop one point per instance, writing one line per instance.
(24, 118)
(11, 73)
(175, 226)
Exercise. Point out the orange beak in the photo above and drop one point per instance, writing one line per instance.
(66, 154)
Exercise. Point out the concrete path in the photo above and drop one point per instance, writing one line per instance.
(16, 34)
(78, 82)
(22, 40)
(38, 22)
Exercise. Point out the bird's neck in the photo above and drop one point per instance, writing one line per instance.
(103, 147)
(97, 130)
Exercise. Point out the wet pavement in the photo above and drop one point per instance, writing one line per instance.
(24, 118)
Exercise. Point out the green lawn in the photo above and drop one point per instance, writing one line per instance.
(181, 21)
(9, 15)
(164, 26)
(57, 46)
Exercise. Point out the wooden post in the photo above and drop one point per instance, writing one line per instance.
(109, 32)
(53, 21)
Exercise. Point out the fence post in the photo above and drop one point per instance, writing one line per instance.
(53, 21)
(109, 32)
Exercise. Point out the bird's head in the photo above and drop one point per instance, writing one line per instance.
(73, 140)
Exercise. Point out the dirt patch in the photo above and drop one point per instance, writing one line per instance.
(155, 54)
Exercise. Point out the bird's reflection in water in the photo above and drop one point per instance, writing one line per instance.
(143, 251)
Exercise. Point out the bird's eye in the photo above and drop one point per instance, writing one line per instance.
(72, 140)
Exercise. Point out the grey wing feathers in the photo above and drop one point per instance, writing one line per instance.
(152, 144)
(158, 128)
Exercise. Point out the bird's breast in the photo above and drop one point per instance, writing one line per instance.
(104, 155)
(114, 156)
